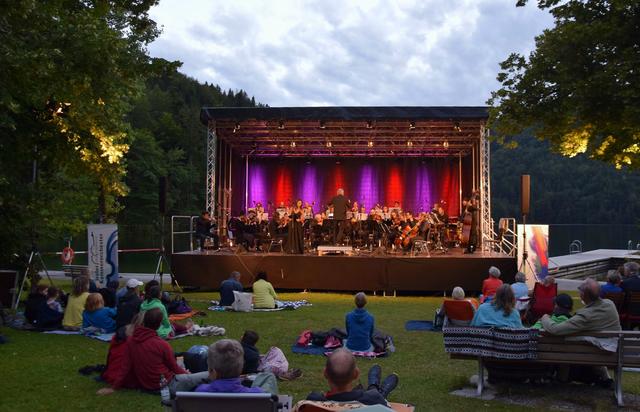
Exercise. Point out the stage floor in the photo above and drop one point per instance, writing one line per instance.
(364, 271)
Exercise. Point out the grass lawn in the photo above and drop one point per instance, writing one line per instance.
(39, 371)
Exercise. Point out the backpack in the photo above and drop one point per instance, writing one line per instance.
(178, 305)
(195, 359)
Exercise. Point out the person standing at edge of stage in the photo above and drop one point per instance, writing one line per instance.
(340, 206)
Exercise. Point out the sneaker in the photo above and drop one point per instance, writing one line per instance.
(388, 385)
(374, 376)
(290, 375)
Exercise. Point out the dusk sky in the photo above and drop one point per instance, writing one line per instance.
(351, 53)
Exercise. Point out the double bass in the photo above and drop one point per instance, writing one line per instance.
(467, 223)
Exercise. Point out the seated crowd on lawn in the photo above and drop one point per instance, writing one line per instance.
(140, 357)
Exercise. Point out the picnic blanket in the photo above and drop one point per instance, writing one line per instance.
(182, 316)
(421, 325)
(321, 350)
(282, 305)
(93, 333)
(497, 343)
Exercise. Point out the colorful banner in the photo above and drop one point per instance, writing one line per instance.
(103, 252)
(536, 267)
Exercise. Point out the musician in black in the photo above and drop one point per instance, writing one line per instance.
(472, 207)
(204, 226)
(340, 206)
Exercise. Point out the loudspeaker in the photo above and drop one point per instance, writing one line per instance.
(525, 188)
(163, 187)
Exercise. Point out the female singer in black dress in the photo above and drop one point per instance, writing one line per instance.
(295, 238)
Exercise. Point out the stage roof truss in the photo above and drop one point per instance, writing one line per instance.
(382, 138)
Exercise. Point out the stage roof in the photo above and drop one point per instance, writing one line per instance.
(348, 131)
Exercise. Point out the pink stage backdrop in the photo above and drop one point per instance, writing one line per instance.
(415, 183)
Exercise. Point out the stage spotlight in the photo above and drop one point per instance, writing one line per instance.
(412, 125)
(369, 124)
(281, 125)
(329, 144)
(293, 145)
(322, 125)
(445, 144)
(456, 127)
(370, 143)
(337, 161)
(236, 127)
(409, 143)
(308, 160)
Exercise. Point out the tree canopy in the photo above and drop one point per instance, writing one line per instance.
(69, 72)
(580, 88)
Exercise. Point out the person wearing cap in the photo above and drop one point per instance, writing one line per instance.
(228, 286)
(128, 304)
(561, 311)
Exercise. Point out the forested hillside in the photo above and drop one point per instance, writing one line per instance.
(169, 140)
(563, 190)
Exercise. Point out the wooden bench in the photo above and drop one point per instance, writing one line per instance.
(74, 271)
(562, 350)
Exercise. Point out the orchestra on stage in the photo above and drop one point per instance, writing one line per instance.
(298, 228)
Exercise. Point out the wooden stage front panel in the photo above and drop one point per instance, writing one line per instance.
(343, 273)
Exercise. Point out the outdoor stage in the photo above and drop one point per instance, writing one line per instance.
(412, 157)
(368, 272)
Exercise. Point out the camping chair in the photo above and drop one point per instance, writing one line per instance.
(459, 312)
(630, 314)
(236, 402)
(542, 301)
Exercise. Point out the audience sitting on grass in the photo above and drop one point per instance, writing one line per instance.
(109, 294)
(359, 324)
(226, 361)
(273, 361)
(228, 286)
(128, 304)
(444, 319)
(500, 311)
(151, 359)
(341, 371)
(563, 304)
(95, 315)
(520, 288)
(42, 309)
(597, 315)
(264, 297)
(72, 319)
(117, 372)
(490, 284)
(613, 283)
(166, 328)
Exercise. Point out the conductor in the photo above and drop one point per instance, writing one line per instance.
(340, 206)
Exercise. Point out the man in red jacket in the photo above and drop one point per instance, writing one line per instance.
(151, 357)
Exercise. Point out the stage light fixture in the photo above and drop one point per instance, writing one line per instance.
(329, 144)
(445, 144)
(412, 125)
(281, 125)
(370, 143)
(308, 160)
(236, 127)
(409, 143)
(322, 125)
(456, 127)
(293, 145)
(369, 124)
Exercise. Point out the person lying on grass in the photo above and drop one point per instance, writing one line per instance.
(166, 330)
(151, 358)
(341, 371)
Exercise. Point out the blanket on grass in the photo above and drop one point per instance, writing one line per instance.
(497, 343)
(321, 350)
(282, 305)
(93, 333)
(421, 325)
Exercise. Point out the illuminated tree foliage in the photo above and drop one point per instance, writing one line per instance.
(580, 88)
(69, 70)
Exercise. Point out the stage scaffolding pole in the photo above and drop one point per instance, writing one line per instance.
(460, 184)
(486, 228)
(246, 183)
(211, 168)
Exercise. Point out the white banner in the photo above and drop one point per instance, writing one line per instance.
(103, 252)
(536, 267)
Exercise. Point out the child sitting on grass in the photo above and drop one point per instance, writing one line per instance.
(52, 299)
(97, 316)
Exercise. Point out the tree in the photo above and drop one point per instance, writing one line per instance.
(69, 71)
(580, 88)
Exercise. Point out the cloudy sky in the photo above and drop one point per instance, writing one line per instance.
(341, 52)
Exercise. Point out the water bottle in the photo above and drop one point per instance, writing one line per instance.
(164, 390)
